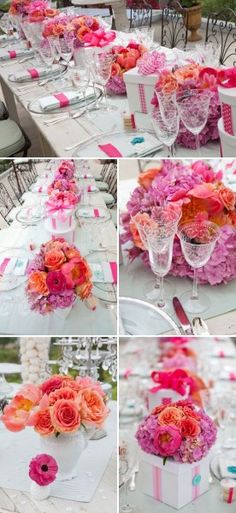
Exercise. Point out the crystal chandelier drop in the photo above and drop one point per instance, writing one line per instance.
(87, 355)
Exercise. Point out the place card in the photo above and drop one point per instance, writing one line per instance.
(105, 272)
(91, 212)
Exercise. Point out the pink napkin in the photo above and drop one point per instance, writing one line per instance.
(96, 212)
(110, 150)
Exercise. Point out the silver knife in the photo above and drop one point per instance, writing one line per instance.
(182, 316)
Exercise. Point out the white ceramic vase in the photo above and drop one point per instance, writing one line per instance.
(39, 493)
(66, 449)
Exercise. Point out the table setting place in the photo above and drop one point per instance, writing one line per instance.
(58, 261)
(61, 461)
(177, 447)
(123, 94)
(177, 249)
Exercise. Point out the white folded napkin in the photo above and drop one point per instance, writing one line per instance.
(60, 100)
(34, 73)
(91, 212)
(91, 188)
(13, 54)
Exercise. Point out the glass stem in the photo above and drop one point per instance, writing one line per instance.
(161, 301)
(195, 289)
(105, 96)
(85, 102)
(197, 139)
(125, 494)
(95, 94)
(172, 150)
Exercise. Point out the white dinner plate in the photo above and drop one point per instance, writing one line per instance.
(11, 281)
(140, 318)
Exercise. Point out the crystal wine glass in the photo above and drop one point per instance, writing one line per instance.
(66, 46)
(159, 239)
(128, 463)
(166, 126)
(193, 108)
(80, 75)
(102, 72)
(46, 53)
(198, 241)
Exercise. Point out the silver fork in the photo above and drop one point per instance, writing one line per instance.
(54, 121)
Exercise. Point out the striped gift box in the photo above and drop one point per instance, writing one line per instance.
(140, 90)
(175, 484)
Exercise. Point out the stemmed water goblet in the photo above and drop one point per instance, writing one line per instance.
(46, 53)
(193, 106)
(166, 126)
(158, 238)
(102, 66)
(80, 75)
(197, 241)
(66, 47)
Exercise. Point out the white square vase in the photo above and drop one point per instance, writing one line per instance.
(175, 484)
(140, 91)
(228, 109)
(227, 142)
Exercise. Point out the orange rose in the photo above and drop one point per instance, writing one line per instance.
(50, 13)
(191, 71)
(54, 259)
(146, 178)
(37, 283)
(65, 416)
(58, 30)
(44, 424)
(92, 407)
(82, 31)
(84, 290)
(190, 428)
(228, 198)
(72, 253)
(171, 416)
(63, 393)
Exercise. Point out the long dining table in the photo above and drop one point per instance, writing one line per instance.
(94, 240)
(57, 138)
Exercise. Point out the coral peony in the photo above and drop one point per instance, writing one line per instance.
(167, 440)
(37, 283)
(14, 419)
(43, 469)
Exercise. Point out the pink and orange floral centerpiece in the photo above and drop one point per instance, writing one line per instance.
(180, 81)
(64, 411)
(201, 195)
(42, 472)
(57, 276)
(125, 58)
(175, 441)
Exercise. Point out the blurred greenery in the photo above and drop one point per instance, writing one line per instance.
(211, 6)
(4, 165)
(9, 352)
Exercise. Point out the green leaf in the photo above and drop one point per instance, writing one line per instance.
(164, 460)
